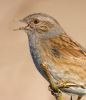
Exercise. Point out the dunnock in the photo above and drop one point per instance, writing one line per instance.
(61, 60)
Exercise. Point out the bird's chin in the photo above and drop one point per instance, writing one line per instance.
(27, 31)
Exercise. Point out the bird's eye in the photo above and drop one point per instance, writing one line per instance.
(36, 21)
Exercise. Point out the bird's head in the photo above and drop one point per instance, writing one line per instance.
(40, 23)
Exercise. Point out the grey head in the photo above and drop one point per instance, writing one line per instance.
(42, 25)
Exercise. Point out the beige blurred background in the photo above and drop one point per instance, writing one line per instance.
(19, 79)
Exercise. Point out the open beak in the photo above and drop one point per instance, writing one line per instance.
(23, 28)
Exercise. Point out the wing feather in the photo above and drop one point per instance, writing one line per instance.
(68, 56)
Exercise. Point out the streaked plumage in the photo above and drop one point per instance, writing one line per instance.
(58, 58)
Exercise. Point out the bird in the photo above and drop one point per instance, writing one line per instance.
(60, 59)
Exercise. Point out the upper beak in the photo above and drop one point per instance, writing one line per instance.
(23, 28)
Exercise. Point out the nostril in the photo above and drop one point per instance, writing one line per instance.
(27, 26)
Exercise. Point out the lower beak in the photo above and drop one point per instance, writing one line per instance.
(23, 28)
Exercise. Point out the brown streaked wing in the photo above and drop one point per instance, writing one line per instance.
(68, 55)
(67, 46)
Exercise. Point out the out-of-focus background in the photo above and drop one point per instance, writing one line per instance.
(19, 79)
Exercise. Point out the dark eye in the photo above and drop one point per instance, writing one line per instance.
(36, 21)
